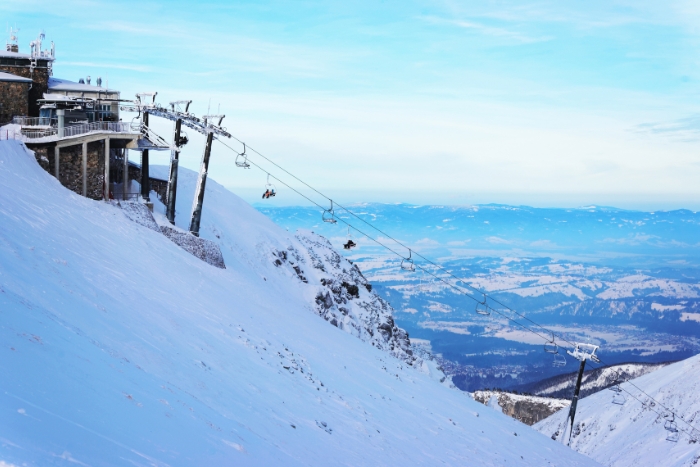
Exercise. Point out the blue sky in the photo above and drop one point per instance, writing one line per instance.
(539, 103)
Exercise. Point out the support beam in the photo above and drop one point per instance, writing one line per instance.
(172, 178)
(105, 194)
(199, 191)
(56, 161)
(85, 169)
(145, 175)
(125, 178)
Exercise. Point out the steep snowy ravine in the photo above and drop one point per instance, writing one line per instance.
(633, 434)
(119, 348)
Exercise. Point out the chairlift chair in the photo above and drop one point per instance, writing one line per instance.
(551, 346)
(618, 397)
(671, 426)
(349, 244)
(269, 189)
(559, 360)
(183, 139)
(407, 263)
(328, 215)
(482, 308)
(670, 423)
(242, 160)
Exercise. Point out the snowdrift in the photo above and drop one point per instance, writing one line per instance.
(633, 434)
(120, 348)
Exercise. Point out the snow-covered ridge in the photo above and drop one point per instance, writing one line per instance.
(595, 380)
(633, 434)
(120, 348)
(528, 409)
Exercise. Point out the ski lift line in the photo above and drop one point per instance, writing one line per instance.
(679, 417)
(437, 266)
(395, 240)
(690, 434)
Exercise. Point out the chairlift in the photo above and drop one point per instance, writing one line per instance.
(618, 397)
(270, 190)
(551, 346)
(184, 139)
(242, 160)
(584, 351)
(328, 215)
(349, 244)
(482, 308)
(407, 263)
(670, 423)
(559, 360)
(671, 426)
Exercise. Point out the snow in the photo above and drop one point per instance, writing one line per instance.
(13, 78)
(633, 434)
(120, 348)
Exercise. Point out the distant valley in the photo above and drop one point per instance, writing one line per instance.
(628, 281)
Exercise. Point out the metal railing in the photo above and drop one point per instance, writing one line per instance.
(38, 133)
(35, 121)
(114, 127)
(53, 133)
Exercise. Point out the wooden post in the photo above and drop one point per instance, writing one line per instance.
(106, 188)
(172, 178)
(199, 191)
(85, 169)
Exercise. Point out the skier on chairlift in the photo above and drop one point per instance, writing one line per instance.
(349, 245)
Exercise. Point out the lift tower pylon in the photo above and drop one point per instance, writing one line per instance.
(202, 180)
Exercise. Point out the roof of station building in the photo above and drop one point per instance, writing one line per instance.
(9, 77)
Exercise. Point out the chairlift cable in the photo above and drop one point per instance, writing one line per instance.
(459, 289)
(437, 266)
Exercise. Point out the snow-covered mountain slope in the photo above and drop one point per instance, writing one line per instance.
(120, 348)
(336, 287)
(633, 434)
(592, 381)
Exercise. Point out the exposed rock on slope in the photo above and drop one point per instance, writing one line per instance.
(524, 408)
(343, 296)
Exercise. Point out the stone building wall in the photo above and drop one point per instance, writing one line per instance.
(14, 100)
(71, 168)
(40, 81)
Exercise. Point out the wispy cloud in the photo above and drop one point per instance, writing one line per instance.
(684, 129)
(487, 30)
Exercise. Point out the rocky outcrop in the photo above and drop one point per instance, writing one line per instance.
(344, 297)
(206, 250)
(524, 408)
